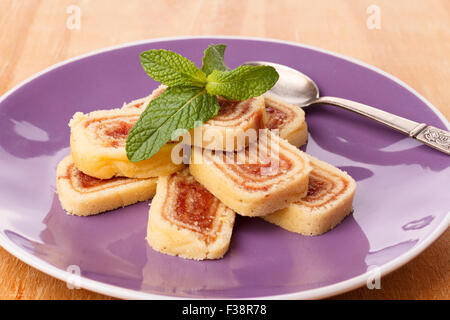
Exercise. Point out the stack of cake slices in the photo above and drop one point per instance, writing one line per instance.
(193, 208)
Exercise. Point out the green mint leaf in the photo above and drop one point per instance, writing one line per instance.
(241, 83)
(213, 58)
(176, 108)
(171, 69)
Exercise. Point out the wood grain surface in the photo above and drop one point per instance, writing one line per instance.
(412, 43)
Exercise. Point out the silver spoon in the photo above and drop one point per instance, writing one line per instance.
(296, 88)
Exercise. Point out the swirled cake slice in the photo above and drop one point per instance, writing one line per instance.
(83, 195)
(263, 178)
(186, 220)
(328, 202)
(288, 119)
(97, 145)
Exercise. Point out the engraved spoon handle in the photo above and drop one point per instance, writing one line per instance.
(432, 136)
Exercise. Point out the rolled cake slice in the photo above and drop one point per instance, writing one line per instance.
(288, 119)
(142, 103)
(186, 220)
(328, 202)
(234, 127)
(83, 195)
(263, 178)
(97, 145)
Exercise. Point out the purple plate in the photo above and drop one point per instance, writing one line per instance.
(401, 205)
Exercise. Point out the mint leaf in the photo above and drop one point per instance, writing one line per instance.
(171, 69)
(213, 58)
(241, 83)
(176, 108)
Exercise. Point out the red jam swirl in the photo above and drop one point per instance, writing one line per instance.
(194, 206)
(322, 189)
(89, 182)
(85, 183)
(315, 187)
(113, 131)
(276, 117)
(190, 206)
(232, 110)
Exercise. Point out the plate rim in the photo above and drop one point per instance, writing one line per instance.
(317, 293)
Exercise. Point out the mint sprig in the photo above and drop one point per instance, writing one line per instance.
(191, 95)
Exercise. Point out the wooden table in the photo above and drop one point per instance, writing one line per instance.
(412, 43)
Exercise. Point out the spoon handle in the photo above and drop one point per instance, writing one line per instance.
(429, 135)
